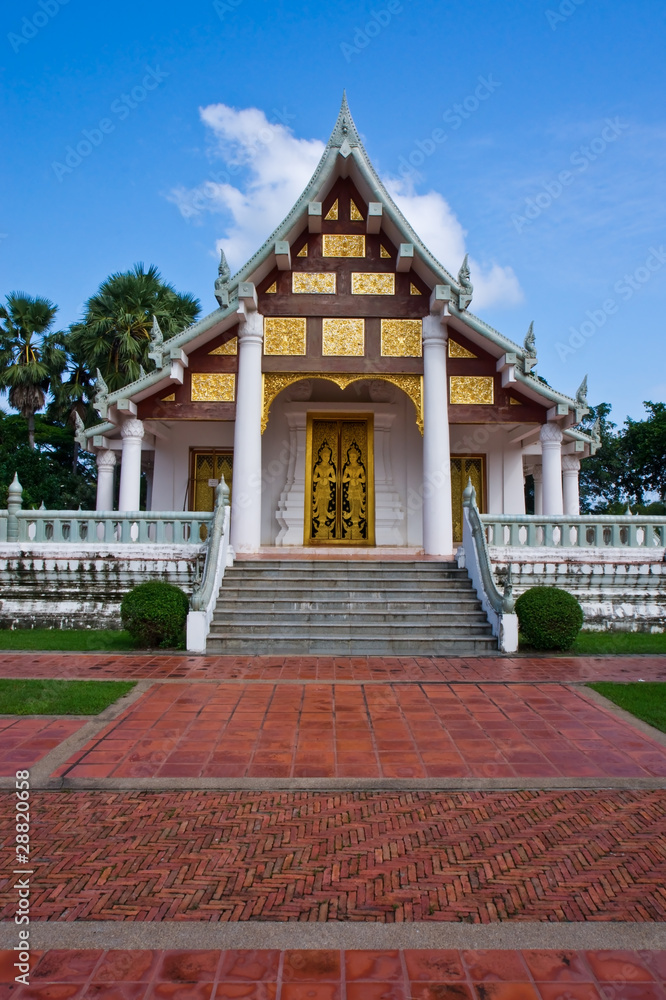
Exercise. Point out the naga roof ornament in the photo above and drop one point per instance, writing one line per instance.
(156, 352)
(465, 283)
(222, 282)
(530, 349)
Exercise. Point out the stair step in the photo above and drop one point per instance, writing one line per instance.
(378, 646)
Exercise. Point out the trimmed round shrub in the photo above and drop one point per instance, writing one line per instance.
(549, 618)
(154, 614)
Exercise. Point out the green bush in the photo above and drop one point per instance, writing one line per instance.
(549, 618)
(154, 614)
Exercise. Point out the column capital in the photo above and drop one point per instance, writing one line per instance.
(550, 434)
(106, 459)
(250, 327)
(434, 331)
(537, 473)
(570, 464)
(132, 429)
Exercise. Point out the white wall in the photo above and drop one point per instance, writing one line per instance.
(172, 457)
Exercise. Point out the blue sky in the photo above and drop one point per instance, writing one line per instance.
(550, 173)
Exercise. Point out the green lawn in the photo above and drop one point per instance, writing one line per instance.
(647, 701)
(47, 697)
(620, 642)
(68, 640)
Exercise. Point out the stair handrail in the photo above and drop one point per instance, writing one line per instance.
(474, 556)
(205, 593)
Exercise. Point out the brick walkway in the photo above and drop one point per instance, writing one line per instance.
(24, 741)
(360, 668)
(415, 856)
(393, 731)
(355, 975)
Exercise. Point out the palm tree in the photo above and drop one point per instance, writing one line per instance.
(73, 396)
(31, 358)
(114, 334)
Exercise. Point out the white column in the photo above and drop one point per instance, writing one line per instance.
(538, 489)
(514, 481)
(246, 499)
(437, 513)
(106, 463)
(570, 470)
(130, 465)
(551, 462)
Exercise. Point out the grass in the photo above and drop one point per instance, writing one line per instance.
(647, 701)
(32, 697)
(66, 640)
(620, 642)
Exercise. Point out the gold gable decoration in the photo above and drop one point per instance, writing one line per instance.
(336, 245)
(456, 350)
(413, 290)
(354, 213)
(401, 338)
(274, 382)
(284, 335)
(229, 348)
(515, 402)
(169, 399)
(313, 283)
(343, 338)
(272, 289)
(383, 252)
(472, 390)
(332, 215)
(303, 252)
(364, 283)
(213, 387)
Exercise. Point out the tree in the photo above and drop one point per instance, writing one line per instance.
(114, 333)
(73, 395)
(644, 449)
(601, 475)
(31, 359)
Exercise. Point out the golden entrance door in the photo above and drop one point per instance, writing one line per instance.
(340, 479)
(205, 470)
(464, 468)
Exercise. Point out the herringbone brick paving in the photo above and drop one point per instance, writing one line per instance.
(354, 975)
(414, 856)
(393, 731)
(571, 669)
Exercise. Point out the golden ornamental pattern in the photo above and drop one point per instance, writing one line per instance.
(401, 338)
(456, 350)
(383, 252)
(284, 335)
(332, 215)
(343, 338)
(303, 252)
(230, 347)
(273, 383)
(272, 289)
(213, 387)
(313, 283)
(364, 283)
(335, 245)
(472, 389)
(354, 213)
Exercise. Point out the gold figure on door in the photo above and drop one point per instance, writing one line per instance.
(339, 495)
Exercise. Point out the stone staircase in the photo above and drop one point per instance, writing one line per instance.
(348, 607)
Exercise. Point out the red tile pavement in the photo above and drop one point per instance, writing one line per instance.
(393, 731)
(471, 857)
(332, 975)
(25, 740)
(327, 668)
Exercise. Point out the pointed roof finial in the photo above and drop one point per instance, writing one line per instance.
(581, 393)
(345, 129)
(530, 341)
(222, 281)
(464, 276)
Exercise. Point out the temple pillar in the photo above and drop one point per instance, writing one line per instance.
(571, 496)
(437, 508)
(246, 497)
(106, 463)
(551, 462)
(537, 476)
(130, 465)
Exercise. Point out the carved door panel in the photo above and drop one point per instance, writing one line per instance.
(339, 489)
(463, 468)
(206, 469)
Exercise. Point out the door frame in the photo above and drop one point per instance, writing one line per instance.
(191, 480)
(368, 419)
(481, 500)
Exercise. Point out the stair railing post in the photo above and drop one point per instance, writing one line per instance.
(14, 506)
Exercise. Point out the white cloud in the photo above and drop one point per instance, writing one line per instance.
(265, 169)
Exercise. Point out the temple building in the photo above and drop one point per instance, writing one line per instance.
(344, 390)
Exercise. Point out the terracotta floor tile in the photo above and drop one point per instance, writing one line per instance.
(383, 966)
(490, 966)
(65, 966)
(617, 966)
(131, 966)
(434, 966)
(188, 966)
(572, 991)
(505, 991)
(440, 991)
